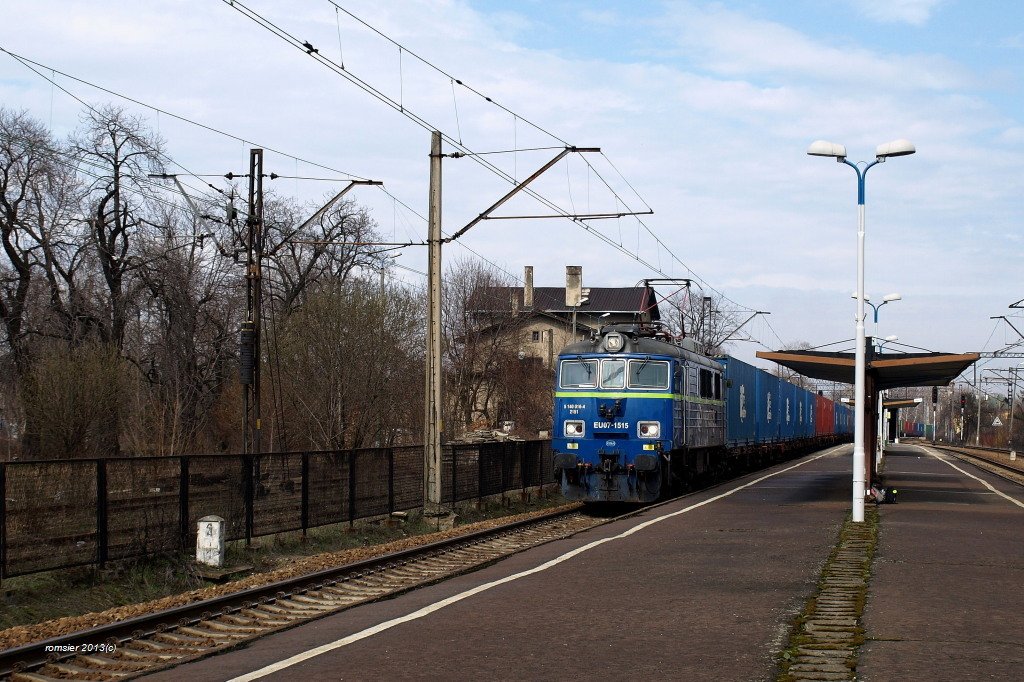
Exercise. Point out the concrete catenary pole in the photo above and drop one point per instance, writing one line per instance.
(1013, 394)
(432, 424)
(977, 389)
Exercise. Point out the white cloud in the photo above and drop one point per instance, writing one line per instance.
(913, 12)
(730, 43)
(711, 129)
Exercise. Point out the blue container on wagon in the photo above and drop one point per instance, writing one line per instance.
(740, 401)
(767, 404)
(844, 419)
(809, 403)
(787, 410)
(801, 413)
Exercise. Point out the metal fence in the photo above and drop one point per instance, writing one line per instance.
(59, 514)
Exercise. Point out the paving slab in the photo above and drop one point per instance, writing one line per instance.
(945, 599)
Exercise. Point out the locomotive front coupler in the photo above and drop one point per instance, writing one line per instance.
(609, 411)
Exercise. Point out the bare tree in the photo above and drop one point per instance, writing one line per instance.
(709, 320)
(480, 334)
(351, 367)
(331, 245)
(36, 193)
(184, 334)
(68, 397)
(121, 152)
(791, 375)
(26, 170)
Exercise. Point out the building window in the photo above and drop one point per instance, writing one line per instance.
(536, 337)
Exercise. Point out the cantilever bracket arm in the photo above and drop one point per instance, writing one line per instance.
(1007, 321)
(323, 209)
(517, 188)
(319, 212)
(741, 326)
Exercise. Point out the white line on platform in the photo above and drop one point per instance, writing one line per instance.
(430, 608)
(983, 482)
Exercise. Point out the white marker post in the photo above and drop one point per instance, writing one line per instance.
(210, 541)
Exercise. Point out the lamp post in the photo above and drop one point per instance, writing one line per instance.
(880, 442)
(838, 152)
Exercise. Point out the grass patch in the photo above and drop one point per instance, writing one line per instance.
(71, 592)
(798, 636)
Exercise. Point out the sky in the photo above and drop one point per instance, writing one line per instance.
(703, 112)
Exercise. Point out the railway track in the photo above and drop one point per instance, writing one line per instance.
(996, 460)
(152, 642)
(148, 643)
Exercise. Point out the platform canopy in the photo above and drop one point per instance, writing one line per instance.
(888, 370)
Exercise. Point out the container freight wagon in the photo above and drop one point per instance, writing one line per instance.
(825, 421)
(914, 429)
(844, 419)
(741, 402)
(768, 397)
(639, 414)
(787, 410)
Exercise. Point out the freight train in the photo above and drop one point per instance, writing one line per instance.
(639, 414)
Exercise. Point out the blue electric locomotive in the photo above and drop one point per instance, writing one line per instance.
(638, 414)
(634, 414)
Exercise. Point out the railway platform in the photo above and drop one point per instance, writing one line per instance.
(945, 600)
(702, 588)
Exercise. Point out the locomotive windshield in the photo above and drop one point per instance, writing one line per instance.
(613, 374)
(648, 374)
(579, 373)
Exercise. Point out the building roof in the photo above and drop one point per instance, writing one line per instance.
(626, 300)
(888, 370)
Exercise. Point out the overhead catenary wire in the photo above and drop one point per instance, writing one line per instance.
(517, 117)
(31, 66)
(245, 141)
(400, 107)
(441, 71)
(423, 123)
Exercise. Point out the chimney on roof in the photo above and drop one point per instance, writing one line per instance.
(528, 289)
(573, 285)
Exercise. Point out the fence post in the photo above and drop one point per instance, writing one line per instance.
(249, 495)
(3, 520)
(522, 471)
(540, 470)
(351, 488)
(455, 467)
(101, 511)
(304, 514)
(183, 477)
(391, 481)
(479, 477)
(504, 466)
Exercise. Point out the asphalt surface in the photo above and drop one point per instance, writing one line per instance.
(705, 592)
(945, 599)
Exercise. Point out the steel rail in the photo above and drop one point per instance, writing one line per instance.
(972, 452)
(34, 655)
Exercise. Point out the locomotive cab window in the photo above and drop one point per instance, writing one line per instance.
(613, 374)
(718, 387)
(706, 391)
(648, 374)
(579, 374)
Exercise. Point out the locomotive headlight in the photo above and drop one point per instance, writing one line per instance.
(573, 428)
(649, 429)
(613, 342)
